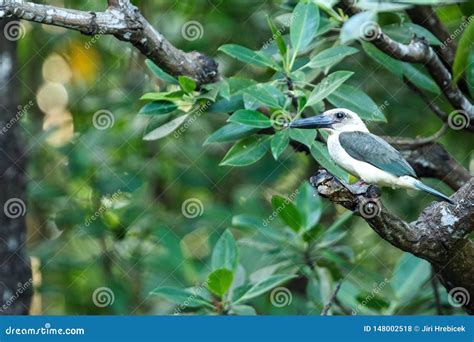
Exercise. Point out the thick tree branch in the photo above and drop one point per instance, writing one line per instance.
(126, 23)
(438, 235)
(426, 17)
(418, 51)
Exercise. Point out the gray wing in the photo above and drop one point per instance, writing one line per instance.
(371, 149)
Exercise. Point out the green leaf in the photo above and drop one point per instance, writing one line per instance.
(327, 86)
(248, 56)
(357, 25)
(264, 285)
(187, 84)
(279, 143)
(243, 310)
(331, 56)
(225, 253)
(251, 118)
(466, 44)
(247, 151)
(230, 132)
(403, 33)
(220, 281)
(158, 72)
(287, 212)
(420, 79)
(320, 153)
(382, 6)
(309, 205)
(265, 94)
(393, 65)
(166, 129)
(304, 25)
(236, 85)
(409, 276)
(158, 107)
(356, 100)
(181, 297)
(304, 136)
(276, 34)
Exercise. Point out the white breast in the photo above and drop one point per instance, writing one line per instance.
(365, 171)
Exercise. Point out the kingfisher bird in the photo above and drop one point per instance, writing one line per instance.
(363, 154)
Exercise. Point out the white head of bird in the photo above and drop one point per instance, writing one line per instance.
(363, 154)
(333, 120)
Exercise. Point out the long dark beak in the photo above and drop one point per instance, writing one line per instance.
(318, 121)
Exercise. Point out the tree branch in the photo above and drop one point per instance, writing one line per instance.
(438, 235)
(332, 299)
(124, 21)
(418, 51)
(432, 160)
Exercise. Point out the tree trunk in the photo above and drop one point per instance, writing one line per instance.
(15, 270)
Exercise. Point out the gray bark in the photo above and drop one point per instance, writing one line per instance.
(126, 23)
(439, 235)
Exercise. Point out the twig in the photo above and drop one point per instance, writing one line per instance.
(417, 141)
(418, 51)
(434, 108)
(331, 300)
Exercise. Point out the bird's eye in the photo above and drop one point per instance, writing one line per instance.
(340, 115)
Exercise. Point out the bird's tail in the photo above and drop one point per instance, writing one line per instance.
(423, 187)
